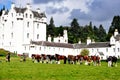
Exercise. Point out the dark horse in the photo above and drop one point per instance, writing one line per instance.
(114, 61)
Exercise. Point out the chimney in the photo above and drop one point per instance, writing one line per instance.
(38, 10)
(88, 40)
(28, 6)
(79, 42)
(49, 38)
(3, 12)
(93, 41)
(116, 32)
(13, 5)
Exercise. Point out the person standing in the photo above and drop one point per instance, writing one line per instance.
(65, 59)
(8, 57)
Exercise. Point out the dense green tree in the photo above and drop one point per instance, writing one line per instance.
(74, 31)
(90, 31)
(50, 27)
(96, 33)
(74, 24)
(102, 34)
(58, 31)
(115, 24)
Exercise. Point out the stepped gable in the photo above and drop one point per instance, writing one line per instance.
(98, 45)
(20, 10)
(52, 44)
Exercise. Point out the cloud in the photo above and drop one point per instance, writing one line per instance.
(53, 10)
(63, 11)
(46, 1)
(100, 12)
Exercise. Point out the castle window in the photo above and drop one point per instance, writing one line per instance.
(30, 15)
(12, 14)
(11, 35)
(12, 24)
(26, 15)
(114, 49)
(92, 50)
(3, 36)
(118, 49)
(58, 40)
(25, 47)
(38, 26)
(106, 49)
(37, 36)
(97, 49)
(10, 43)
(28, 24)
(3, 18)
(40, 48)
(27, 35)
(65, 40)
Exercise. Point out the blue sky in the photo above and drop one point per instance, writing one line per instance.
(63, 11)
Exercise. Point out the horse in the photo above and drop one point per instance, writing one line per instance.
(114, 61)
(96, 60)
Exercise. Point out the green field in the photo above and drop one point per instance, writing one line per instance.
(16, 70)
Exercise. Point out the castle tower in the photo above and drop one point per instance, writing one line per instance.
(65, 35)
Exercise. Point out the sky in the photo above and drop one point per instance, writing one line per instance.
(63, 11)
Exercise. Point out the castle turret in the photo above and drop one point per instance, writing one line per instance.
(65, 35)
(12, 5)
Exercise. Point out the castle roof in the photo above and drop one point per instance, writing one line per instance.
(22, 10)
(78, 46)
(92, 45)
(52, 44)
(75, 46)
(98, 45)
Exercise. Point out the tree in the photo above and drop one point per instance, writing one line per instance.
(74, 24)
(2, 10)
(50, 27)
(84, 52)
(58, 30)
(90, 30)
(96, 33)
(115, 24)
(102, 34)
(74, 31)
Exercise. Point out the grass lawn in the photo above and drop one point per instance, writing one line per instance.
(16, 70)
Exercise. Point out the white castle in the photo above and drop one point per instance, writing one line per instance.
(19, 26)
(23, 30)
